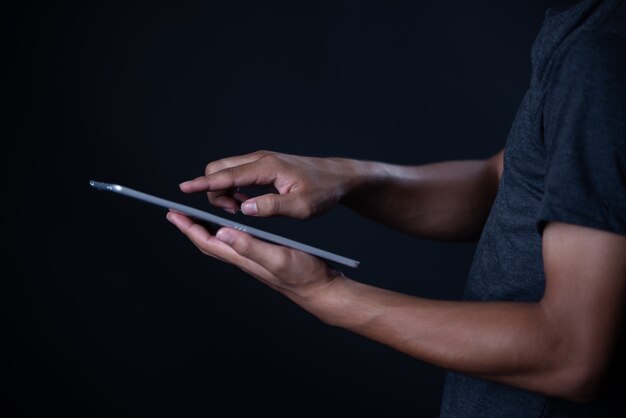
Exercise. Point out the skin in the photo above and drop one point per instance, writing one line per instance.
(559, 346)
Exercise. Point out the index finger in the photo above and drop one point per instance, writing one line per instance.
(254, 173)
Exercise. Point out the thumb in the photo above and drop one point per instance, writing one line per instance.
(276, 204)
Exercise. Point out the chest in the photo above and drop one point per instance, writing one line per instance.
(525, 161)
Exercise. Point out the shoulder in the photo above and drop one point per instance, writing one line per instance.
(591, 65)
(585, 100)
(595, 44)
(595, 53)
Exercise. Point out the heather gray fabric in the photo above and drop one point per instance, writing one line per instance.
(565, 160)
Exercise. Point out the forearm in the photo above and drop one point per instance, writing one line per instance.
(512, 343)
(449, 200)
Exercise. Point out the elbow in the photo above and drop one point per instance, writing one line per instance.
(577, 369)
(579, 383)
(577, 357)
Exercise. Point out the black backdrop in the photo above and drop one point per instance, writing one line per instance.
(107, 310)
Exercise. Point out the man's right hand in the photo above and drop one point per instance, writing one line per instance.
(449, 200)
(306, 186)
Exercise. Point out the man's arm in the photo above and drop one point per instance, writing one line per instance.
(559, 346)
(449, 200)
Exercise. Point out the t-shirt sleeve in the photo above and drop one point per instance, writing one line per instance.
(585, 137)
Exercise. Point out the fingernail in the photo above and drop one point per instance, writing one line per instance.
(169, 217)
(231, 210)
(225, 236)
(249, 208)
(182, 184)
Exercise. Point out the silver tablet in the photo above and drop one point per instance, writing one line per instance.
(219, 221)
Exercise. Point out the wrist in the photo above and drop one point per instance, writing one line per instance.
(329, 302)
(360, 176)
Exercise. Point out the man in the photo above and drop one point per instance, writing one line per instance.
(539, 329)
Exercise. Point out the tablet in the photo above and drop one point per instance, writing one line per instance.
(219, 222)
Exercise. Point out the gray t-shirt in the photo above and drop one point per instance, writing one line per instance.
(564, 160)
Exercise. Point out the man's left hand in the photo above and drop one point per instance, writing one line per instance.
(294, 273)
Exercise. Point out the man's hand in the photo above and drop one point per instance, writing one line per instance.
(449, 200)
(306, 186)
(298, 275)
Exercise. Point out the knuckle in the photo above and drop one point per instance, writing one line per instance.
(307, 212)
(242, 245)
(201, 245)
(274, 205)
(215, 197)
(215, 166)
(271, 158)
(227, 173)
(230, 171)
(268, 205)
(304, 210)
(211, 168)
(281, 262)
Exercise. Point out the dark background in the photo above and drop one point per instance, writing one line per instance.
(107, 310)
